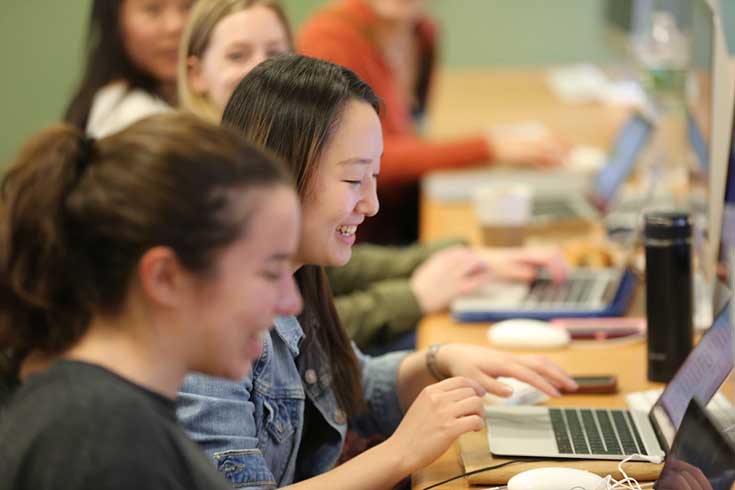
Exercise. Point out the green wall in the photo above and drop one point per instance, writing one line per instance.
(42, 46)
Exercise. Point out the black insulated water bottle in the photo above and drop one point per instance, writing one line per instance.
(668, 236)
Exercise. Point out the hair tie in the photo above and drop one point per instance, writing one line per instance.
(86, 152)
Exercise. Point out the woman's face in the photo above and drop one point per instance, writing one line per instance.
(342, 191)
(151, 30)
(252, 284)
(238, 43)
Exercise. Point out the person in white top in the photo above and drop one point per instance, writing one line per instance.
(130, 72)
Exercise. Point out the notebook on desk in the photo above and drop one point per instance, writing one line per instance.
(590, 433)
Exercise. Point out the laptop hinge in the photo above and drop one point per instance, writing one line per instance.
(659, 433)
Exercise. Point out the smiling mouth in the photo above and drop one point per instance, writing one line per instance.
(346, 230)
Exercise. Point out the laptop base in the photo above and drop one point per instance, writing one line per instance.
(475, 455)
(616, 308)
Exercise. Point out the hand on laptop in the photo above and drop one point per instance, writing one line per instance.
(524, 263)
(459, 270)
(485, 365)
(446, 275)
(527, 144)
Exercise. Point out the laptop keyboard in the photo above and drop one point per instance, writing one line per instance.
(601, 432)
(574, 290)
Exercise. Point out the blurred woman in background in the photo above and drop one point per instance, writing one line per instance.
(130, 73)
(392, 45)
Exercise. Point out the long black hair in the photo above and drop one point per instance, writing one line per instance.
(290, 105)
(106, 61)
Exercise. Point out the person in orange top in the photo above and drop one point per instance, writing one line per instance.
(391, 44)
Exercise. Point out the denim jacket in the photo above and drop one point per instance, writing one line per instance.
(254, 428)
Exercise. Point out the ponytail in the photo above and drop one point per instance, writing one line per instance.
(77, 215)
(35, 256)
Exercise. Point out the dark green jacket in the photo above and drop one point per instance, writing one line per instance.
(372, 292)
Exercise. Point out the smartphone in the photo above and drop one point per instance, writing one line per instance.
(598, 384)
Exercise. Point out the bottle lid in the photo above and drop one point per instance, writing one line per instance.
(667, 225)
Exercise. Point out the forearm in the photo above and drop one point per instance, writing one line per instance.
(407, 158)
(413, 376)
(377, 468)
(373, 263)
(383, 311)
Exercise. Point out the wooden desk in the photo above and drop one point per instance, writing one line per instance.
(466, 100)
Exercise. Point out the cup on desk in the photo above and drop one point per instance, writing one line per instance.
(503, 212)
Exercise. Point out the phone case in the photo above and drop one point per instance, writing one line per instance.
(607, 385)
(602, 328)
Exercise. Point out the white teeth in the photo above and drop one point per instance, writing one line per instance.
(347, 230)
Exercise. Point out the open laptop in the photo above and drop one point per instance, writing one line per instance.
(585, 292)
(558, 195)
(560, 204)
(701, 457)
(593, 433)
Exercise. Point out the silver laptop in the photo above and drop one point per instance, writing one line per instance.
(583, 293)
(559, 194)
(594, 433)
(561, 204)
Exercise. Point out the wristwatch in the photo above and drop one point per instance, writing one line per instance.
(431, 363)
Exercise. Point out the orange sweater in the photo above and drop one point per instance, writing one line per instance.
(342, 34)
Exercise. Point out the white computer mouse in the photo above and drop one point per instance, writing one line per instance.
(524, 333)
(555, 478)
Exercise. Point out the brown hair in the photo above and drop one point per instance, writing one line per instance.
(76, 216)
(204, 18)
(290, 105)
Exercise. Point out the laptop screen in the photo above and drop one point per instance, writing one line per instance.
(699, 145)
(699, 81)
(701, 457)
(625, 150)
(700, 376)
(727, 239)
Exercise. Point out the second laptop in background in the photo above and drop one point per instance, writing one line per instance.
(559, 195)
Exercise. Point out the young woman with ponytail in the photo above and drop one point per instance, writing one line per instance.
(125, 263)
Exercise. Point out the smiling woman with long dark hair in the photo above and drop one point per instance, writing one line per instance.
(287, 421)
